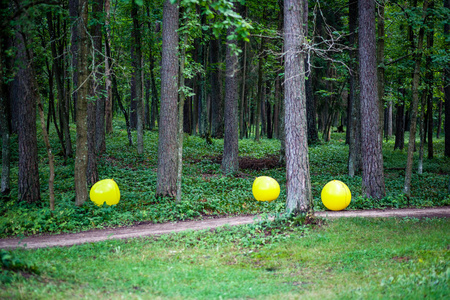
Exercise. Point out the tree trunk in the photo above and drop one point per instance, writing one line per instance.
(372, 158)
(108, 83)
(298, 183)
(230, 160)
(4, 126)
(167, 144)
(380, 63)
(259, 91)
(74, 14)
(28, 180)
(400, 126)
(116, 95)
(447, 89)
(429, 95)
(81, 192)
(243, 93)
(137, 64)
(180, 124)
(414, 107)
(438, 130)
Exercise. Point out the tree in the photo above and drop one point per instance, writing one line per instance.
(29, 186)
(230, 161)
(447, 89)
(137, 63)
(167, 145)
(372, 157)
(298, 183)
(81, 155)
(414, 104)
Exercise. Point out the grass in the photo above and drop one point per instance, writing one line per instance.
(345, 259)
(206, 193)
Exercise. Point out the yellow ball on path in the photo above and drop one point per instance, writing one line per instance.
(265, 188)
(336, 195)
(105, 191)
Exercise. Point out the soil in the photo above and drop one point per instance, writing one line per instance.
(143, 230)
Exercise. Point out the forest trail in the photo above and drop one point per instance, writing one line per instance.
(149, 229)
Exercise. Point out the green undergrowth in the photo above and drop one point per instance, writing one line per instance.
(284, 259)
(206, 192)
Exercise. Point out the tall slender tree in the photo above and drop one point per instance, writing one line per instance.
(447, 89)
(28, 182)
(81, 193)
(230, 161)
(298, 182)
(137, 63)
(372, 158)
(166, 184)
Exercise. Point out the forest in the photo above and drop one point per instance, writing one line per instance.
(90, 86)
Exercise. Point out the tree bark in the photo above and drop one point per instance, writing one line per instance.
(81, 156)
(230, 160)
(298, 183)
(414, 107)
(372, 158)
(28, 180)
(180, 124)
(5, 187)
(167, 144)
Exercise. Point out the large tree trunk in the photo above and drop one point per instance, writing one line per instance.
(372, 158)
(230, 161)
(354, 126)
(81, 192)
(414, 107)
(28, 181)
(137, 64)
(298, 183)
(167, 145)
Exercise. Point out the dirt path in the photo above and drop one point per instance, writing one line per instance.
(61, 240)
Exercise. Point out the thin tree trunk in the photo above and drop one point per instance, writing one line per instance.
(438, 130)
(259, 91)
(4, 126)
(243, 87)
(429, 78)
(108, 88)
(180, 119)
(380, 62)
(216, 91)
(99, 92)
(74, 6)
(414, 108)
(167, 144)
(298, 183)
(81, 192)
(124, 111)
(421, 134)
(137, 63)
(400, 126)
(447, 89)
(372, 158)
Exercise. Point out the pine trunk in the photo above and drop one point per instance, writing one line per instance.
(372, 158)
(298, 183)
(167, 145)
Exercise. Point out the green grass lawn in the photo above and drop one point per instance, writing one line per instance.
(344, 259)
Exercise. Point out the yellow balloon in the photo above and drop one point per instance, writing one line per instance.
(336, 195)
(265, 188)
(105, 191)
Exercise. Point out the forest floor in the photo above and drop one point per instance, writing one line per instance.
(149, 229)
